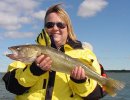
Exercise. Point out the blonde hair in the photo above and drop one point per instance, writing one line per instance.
(64, 16)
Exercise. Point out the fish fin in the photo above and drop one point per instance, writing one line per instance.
(111, 86)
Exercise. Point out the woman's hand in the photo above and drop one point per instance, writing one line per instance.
(44, 62)
(78, 73)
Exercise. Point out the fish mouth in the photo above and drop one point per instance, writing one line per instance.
(12, 55)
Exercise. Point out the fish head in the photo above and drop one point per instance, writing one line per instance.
(24, 53)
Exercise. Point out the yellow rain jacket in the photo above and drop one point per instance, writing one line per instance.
(30, 83)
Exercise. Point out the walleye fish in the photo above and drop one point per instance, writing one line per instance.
(62, 63)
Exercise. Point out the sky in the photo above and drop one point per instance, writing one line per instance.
(104, 24)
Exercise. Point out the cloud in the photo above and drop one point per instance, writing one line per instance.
(14, 34)
(15, 13)
(90, 8)
(18, 6)
(12, 22)
(40, 15)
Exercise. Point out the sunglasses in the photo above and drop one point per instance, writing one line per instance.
(52, 24)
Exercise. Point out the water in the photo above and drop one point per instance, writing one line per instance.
(122, 95)
(125, 93)
(4, 94)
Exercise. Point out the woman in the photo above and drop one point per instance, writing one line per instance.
(37, 82)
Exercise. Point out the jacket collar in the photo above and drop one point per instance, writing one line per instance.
(43, 38)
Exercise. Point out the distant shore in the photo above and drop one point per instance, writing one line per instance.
(117, 70)
(105, 70)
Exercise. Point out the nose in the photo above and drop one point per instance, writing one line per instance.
(55, 27)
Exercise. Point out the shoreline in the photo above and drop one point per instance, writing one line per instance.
(105, 70)
(117, 70)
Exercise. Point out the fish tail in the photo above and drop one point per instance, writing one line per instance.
(111, 86)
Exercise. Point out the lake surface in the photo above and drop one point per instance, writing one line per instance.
(122, 95)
